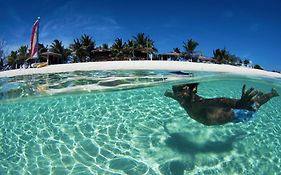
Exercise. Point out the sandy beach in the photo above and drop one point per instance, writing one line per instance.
(141, 65)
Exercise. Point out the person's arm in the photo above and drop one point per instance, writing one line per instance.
(245, 102)
(218, 102)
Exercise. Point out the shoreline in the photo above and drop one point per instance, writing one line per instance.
(141, 65)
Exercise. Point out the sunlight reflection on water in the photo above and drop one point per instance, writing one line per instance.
(137, 131)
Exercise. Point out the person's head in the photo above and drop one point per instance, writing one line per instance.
(187, 90)
(191, 88)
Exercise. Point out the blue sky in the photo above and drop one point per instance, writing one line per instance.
(249, 28)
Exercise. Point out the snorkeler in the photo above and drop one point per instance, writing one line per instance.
(217, 111)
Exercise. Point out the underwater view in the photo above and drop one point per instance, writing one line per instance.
(120, 122)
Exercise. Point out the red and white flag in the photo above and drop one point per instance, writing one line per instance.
(35, 39)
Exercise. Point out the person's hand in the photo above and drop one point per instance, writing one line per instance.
(247, 99)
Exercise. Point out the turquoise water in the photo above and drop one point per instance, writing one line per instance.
(75, 123)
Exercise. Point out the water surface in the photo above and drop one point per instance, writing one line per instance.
(89, 123)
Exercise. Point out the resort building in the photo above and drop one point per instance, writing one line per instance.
(52, 58)
(102, 54)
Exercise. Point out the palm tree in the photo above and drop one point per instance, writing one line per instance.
(144, 44)
(150, 45)
(190, 47)
(88, 45)
(258, 67)
(177, 50)
(140, 40)
(1, 64)
(222, 56)
(12, 59)
(77, 50)
(118, 47)
(233, 59)
(246, 61)
(219, 55)
(104, 46)
(83, 47)
(22, 55)
(57, 47)
(130, 48)
(42, 48)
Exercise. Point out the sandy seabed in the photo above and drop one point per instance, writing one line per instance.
(141, 65)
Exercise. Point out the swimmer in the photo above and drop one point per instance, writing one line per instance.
(218, 111)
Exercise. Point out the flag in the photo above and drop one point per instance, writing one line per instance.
(34, 39)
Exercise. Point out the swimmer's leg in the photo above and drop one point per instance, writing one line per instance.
(262, 98)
